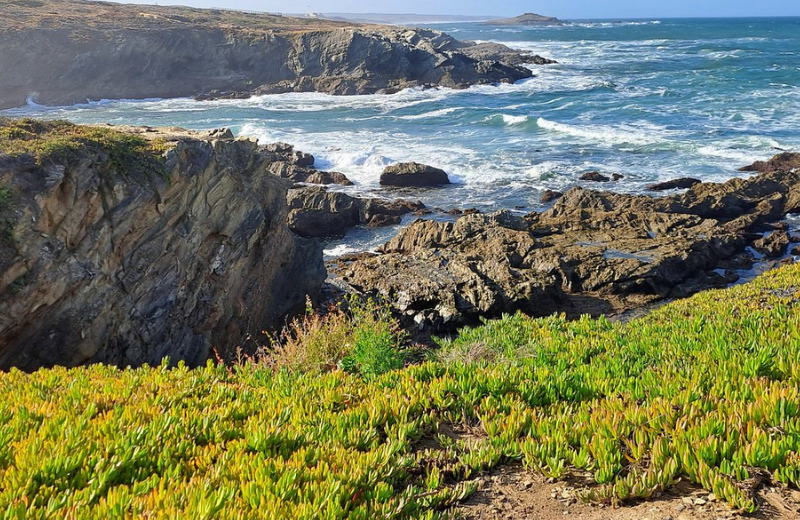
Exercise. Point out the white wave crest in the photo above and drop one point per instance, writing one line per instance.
(514, 120)
(642, 135)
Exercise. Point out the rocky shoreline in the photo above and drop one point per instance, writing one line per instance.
(66, 52)
(593, 252)
(129, 268)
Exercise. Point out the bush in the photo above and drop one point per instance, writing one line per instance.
(377, 340)
(366, 340)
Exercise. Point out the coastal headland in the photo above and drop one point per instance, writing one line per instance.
(65, 52)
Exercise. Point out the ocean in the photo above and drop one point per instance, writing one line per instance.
(648, 99)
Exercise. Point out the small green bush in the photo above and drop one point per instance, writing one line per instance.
(377, 340)
(366, 340)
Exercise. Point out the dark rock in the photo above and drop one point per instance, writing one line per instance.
(594, 177)
(294, 165)
(785, 161)
(617, 176)
(303, 159)
(795, 251)
(550, 196)
(674, 184)
(130, 269)
(774, 244)
(413, 174)
(591, 252)
(315, 212)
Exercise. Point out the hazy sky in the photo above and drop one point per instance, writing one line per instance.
(560, 8)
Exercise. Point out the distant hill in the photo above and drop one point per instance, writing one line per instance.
(526, 19)
(394, 19)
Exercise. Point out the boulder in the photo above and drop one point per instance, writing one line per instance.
(774, 244)
(674, 184)
(316, 212)
(550, 196)
(594, 177)
(413, 174)
(296, 166)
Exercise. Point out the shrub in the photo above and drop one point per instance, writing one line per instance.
(364, 340)
(377, 340)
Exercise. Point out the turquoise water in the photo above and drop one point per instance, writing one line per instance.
(649, 99)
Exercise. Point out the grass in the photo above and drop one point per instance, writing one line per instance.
(706, 390)
(51, 142)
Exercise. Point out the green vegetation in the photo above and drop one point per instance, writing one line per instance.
(365, 340)
(706, 389)
(6, 218)
(50, 142)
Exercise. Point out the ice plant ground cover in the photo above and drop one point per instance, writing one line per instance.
(705, 389)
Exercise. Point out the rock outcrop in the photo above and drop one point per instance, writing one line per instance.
(129, 267)
(412, 174)
(298, 166)
(673, 184)
(526, 19)
(591, 252)
(316, 212)
(68, 51)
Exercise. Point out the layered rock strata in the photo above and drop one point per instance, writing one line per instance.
(128, 269)
(68, 51)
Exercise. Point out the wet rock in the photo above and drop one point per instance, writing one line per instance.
(550, 196)
(774, 244)
(591, 252)
(316, 212)
(785, 161)
(296, 166)
(594, 177)
(674, 184)
(617, 176)
(413, 174)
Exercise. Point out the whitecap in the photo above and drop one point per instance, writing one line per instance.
(514, 120)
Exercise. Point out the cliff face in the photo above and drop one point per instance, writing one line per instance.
(145, 51)
(127, 268)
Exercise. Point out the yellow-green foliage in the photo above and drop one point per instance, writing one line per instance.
(61, 141)
(705, 389)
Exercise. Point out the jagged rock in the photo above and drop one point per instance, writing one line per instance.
(550, 196)
(617, 176)
(591, 252)
(413, 174)
(784, 161)
(674, 184)
(130, 269)
(594, 177)
(774, 244)
(52, 49)
(296, 166)
(316, 212)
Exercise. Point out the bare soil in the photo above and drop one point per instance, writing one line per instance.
(512, 493)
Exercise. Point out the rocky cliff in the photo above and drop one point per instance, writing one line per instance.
(125, 248)
(63, 52)
(592, 252)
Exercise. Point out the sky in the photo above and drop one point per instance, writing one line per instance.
(561, 8)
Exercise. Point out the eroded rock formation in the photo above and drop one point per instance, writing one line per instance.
(68, 51)
(591, 252)
(127, 269)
